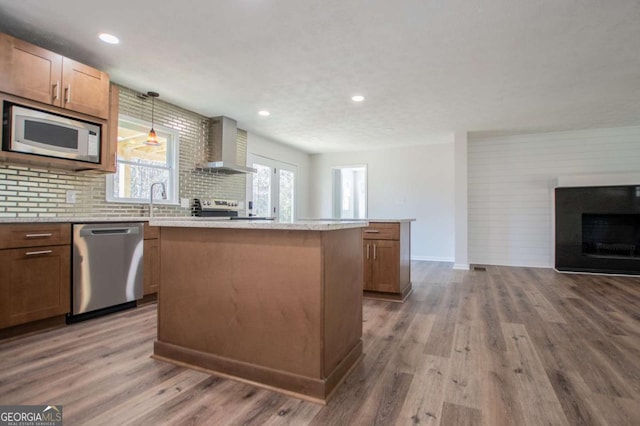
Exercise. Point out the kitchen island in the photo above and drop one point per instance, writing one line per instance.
(278, 305)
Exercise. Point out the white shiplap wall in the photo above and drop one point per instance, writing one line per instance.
(510, 187)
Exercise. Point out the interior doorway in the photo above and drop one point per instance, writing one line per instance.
(349, 192)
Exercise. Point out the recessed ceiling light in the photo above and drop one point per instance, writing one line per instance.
(264, 113)
(109, 38)
(357, 98)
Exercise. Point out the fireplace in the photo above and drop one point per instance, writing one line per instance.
(611, 235)
(598, 229)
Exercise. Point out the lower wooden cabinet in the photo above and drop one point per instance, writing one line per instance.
(151, 259)
(386, 248)
(151, 266)
(382, 268)
(34, 283)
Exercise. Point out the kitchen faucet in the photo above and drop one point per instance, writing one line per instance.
(164, 195)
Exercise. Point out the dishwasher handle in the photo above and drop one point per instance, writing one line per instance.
(110, 231)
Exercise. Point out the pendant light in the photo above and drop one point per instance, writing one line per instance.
(152, 138)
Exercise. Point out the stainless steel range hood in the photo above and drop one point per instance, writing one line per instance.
(223, 148)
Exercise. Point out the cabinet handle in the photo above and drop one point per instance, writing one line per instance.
(56, 90)
(374, 251)
(67, 94)
(371, 231)
(367, 251)
(33, 253)
(38, 235)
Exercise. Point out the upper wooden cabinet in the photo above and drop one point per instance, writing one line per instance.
(29, 71)
(85, 89)
(110, 148)
(34, 77)
(38, 74)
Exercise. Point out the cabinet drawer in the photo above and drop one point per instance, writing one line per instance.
(381, 231)
(34, 235)
(151, 232)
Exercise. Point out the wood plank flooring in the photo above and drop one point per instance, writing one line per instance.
(506, 346)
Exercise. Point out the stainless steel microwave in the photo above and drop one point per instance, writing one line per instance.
(39, 132)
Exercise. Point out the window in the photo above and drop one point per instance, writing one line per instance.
(350, 192)
(140, 165)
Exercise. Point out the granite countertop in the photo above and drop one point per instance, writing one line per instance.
(208, 222)
(74, 219)
(390, 220)
(369, 219)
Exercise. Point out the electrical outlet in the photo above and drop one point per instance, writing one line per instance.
(71, 197)
(184, 203)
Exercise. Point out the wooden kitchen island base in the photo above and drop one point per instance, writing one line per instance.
(314, 390)
(279, 308)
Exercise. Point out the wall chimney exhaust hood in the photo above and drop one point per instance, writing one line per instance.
(223, 148)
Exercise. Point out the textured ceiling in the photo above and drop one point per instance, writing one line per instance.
(426, 67)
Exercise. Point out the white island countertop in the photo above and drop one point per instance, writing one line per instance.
(210, 222)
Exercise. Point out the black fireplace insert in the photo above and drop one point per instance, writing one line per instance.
(598, 229)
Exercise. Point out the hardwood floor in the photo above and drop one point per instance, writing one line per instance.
(506, 346)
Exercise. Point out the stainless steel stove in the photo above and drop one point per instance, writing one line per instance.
(216, 207)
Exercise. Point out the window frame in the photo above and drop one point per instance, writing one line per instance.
(172, 159)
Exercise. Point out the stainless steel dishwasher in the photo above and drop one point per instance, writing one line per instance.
(107, 268)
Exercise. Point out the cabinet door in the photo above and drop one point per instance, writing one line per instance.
(34, 284)
(151, 266)
(385, 269)
(30, 71)
(368, 258)
(85, 89)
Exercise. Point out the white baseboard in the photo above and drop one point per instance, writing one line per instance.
(461, 266)
(514, 265)
(433, 258)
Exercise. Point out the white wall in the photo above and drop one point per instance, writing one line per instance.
(408, 182)
(259, 145)
(510, 187)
